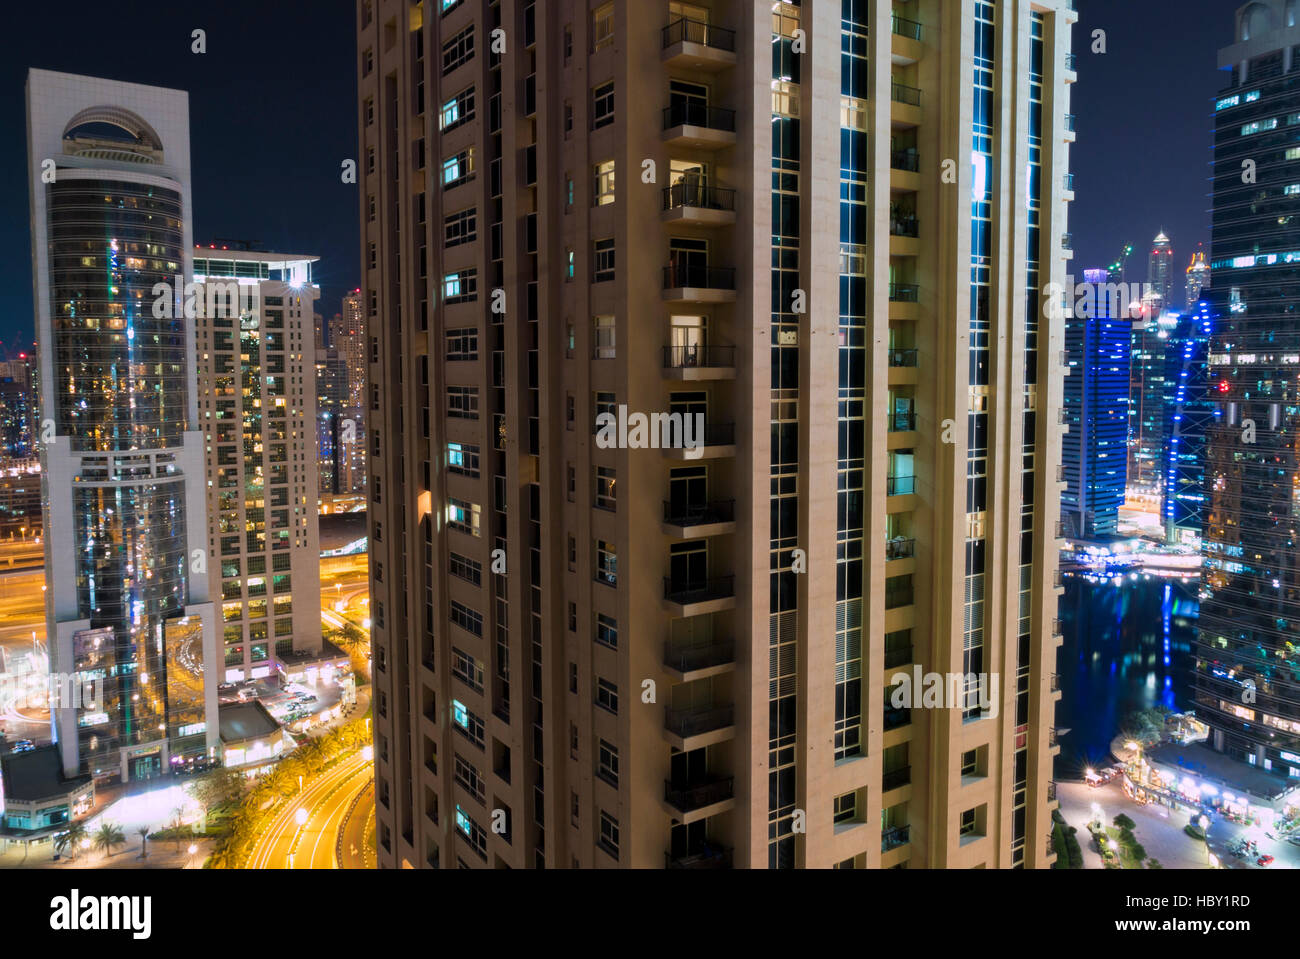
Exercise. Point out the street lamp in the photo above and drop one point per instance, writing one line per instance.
(301, 816)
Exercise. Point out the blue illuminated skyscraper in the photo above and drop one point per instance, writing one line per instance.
(1188, 410)
(1094, 450)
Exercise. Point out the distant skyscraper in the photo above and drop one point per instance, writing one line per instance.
(1247, 659)
(1198, 280)
(125, 509)
(258, 395)
(1160, 268)
(348, 341)
(1094, 450)
(331, 390)
(1149, 343)
(1189, 409)
(18, 402)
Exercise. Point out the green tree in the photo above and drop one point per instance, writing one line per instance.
(70, 839)
(108, 836)
(144, 841)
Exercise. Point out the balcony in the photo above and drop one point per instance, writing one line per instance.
(1071, 62)
(896, 718)
(689, 283)
(1053, 737)
(699, 726)
(1068, 182)
(698, 362)
(902, 27)
(691, 520)
(695, 597)
(706, 857)
(903, 292)
(904, 225)
(902, 93)
(690, 802)
(905, 43)
(1069, 122)
(896, 779)
(898, 656)
(908, 160)
(899, 548)
(687, 663)
(900, 485)
(1051, 792)
(895, 837)
(1067, 241)
(690, 124)
(699, 203)
(697, 45)
(1054, 683)
(902, 359)
(718, 441)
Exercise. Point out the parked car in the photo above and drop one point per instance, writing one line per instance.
(24, 745)
(1265, 860)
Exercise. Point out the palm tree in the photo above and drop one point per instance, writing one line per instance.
(109, 835)
(144, 841)
(70, 839)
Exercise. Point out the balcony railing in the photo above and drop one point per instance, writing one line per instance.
(905, 28)
(699, 196)
(699, 514)
(1067, 241)
(688, 276)
(1054, 683)
(900, 548)
(902, 422)
(1070, 61)
(1069, 182)
(904, 224)
(686, 30)
(706, 857)
(699, 590)
(691, 796)
(908, 160)
(693, 722)
(1051, 792)
(898, 656)
(897, 718)
(902, 93)
(900, 485)
(1069, 122)
(902, 359)
(893, 838)
(896, 779)
(699, 357)
(903, 292)
(693, 113)
(688, 659)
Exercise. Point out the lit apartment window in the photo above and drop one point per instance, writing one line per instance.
(466, 722)
(602, 105)
(457, 110)
(603, 184)
(603, 336)
(457, 169)
(465, 517)
(607, 695)
(460, 287)
(606, 563)
(570, 265)
(462, 458)
(603, 266)
(602, 26)
(606, 478)
(449, 5)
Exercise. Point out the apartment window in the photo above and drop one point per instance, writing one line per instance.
(450, 5)
(462, 458)
(568, 43)
(572, 481)
(969, 823)
(606, 563)
(370, 111)
(603, 337)
(460, 287)
(573, 677)
(457, 110)
(602, 105)
(469, 725)
(458, 169)
(472, 831)
(607, 631)
(573, 563)
(372, 211)
(570, 265)
(463, 516)
(465, 774)
(609, 834)
(607, 695)
(603, 184)
(367, 62)
(606, 479)
(573, 616)
(604, 261)
(573, 740)
(462, 567)
(462, 344)
(460, 228)
(458, 50)
(605, 403)
(970, 763)
(467, 669)
(846, 807)
(568, 192)
(470, 620)
(462, 402)
(607, 762)
(568, 118)
(568, 411)
(575, 807)
(602, 26)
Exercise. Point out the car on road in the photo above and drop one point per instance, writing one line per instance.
(226, 687)
(309, 698)
(1264, 860)
(24, 745)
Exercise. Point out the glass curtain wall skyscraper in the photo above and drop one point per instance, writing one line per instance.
(126, 557)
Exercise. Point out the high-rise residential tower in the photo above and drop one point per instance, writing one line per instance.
(1247, 667)
(125, 511)
(1189, 409)
(654, 655)
(1095, 449)
(257, 407)
(1198, 280)
(348, 341)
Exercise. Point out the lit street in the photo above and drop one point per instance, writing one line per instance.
(304, 834)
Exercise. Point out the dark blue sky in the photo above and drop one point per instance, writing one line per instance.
(273, 113)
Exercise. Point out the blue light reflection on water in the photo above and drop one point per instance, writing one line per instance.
(1126, 646)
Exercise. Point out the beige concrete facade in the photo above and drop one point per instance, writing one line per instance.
(677, 627)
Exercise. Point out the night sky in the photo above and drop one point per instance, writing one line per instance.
(273, 114)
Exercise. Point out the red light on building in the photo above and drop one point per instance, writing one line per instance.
(1223, 386)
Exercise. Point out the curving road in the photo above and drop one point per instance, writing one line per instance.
(285, 844)
(355, 847)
